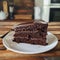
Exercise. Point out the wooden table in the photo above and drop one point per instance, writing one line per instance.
(5, 54)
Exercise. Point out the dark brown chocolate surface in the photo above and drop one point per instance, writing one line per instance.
(33, 33)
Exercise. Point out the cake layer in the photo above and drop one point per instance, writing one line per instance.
(31, 41)
(31, 35)
(31, 27)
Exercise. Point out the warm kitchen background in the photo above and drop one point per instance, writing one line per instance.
(48, 10)
(23, 9)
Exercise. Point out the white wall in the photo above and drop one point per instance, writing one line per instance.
(39, 3)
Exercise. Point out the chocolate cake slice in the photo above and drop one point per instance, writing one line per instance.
(33, 33)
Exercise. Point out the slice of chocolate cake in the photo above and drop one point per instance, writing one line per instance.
(34, 33)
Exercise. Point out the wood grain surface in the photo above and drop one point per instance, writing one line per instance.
(53, 27)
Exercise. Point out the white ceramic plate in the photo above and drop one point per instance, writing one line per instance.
(29, 48)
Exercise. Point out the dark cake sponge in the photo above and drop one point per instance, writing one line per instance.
(34, 33)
